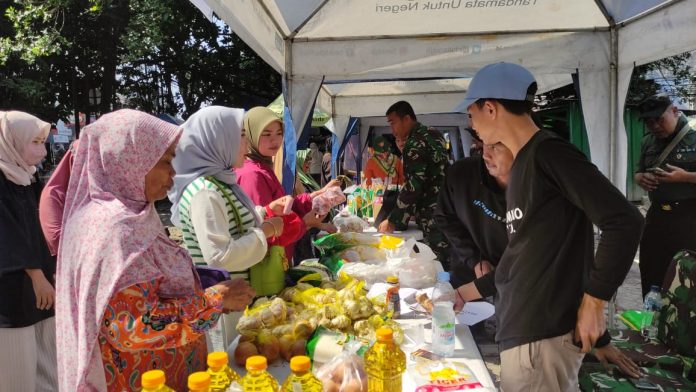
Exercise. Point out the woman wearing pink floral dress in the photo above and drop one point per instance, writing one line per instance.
(128, 298)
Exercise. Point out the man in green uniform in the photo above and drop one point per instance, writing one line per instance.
(670, 224)
(425, 160)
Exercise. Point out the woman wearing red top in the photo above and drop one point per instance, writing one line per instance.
(256, 177)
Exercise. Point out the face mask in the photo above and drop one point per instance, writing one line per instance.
(34, 154)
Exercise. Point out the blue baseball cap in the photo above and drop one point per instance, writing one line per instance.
(500, 80)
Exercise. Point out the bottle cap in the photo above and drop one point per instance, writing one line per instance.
(199, 381)
(217, 359)
(443, 276)
(153, 379)
(257, 362)
(300, 363)
(385, 334)
(392, 279)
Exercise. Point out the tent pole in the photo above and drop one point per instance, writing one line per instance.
(649, 12)
(613, 102)
(613, 129)
(288, 72)
(334, 159)
(483, 34)
(288, 158)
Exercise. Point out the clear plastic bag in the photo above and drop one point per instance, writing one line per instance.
(332, 197)
(364, 253)
(369, 273)
(347, 223)
(346, 372)
(416, 270)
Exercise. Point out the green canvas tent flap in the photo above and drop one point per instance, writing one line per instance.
(319, 118)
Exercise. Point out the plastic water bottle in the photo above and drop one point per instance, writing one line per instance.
(443, 316)
(651, 310)
(443, 291)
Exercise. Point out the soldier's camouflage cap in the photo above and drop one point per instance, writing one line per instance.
(654, 106)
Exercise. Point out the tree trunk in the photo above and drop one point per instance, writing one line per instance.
(171, 105)
(115, 22)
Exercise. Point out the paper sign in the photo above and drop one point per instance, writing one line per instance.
(475, 312)
(63, 129)
(61, 139)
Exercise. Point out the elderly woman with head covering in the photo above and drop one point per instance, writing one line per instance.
(129, 299)
(27, 326)
(256, 177)
(383, 164)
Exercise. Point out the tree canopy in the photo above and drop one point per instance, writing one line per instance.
(160, 56)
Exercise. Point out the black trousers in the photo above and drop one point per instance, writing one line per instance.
(669, 228)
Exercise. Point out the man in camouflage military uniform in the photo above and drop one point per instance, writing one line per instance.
(669, 361)
(425, 160)
(670, 224)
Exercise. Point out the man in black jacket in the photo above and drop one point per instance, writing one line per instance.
(470, 212)
(551, 288)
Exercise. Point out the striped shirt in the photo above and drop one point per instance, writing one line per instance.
(189, 233)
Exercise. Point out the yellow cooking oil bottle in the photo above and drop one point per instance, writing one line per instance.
(257, 378)
(385, 363)
(199, 382)
(301, 379)
(154, 381)
(221, 375)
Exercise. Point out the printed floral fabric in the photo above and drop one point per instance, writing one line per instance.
(141, 331)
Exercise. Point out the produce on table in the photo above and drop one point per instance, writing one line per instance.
(280, 327)
(244, 350)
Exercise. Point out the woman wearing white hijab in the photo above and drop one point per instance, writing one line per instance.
(27, 323)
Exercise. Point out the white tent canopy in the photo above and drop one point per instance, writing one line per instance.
(315, 42)
(371, 99)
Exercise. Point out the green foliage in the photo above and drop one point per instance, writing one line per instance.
(672, 74)
(175, 61)
(154, 55)
(30, 40)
